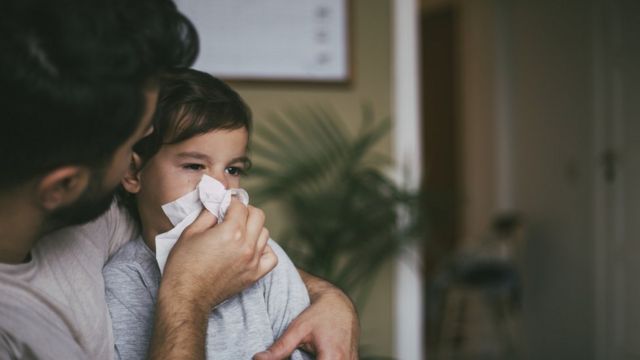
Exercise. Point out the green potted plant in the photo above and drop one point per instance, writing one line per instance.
(342, 211)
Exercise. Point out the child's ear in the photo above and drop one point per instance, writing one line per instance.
(131, 180)
(62, 186)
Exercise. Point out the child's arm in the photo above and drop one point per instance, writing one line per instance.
(285, 295)
(130, 293)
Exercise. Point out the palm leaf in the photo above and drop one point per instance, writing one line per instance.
(341, 209)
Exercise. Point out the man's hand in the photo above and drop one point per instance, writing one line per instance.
(214, 263)
(329, 327)
(208, 264)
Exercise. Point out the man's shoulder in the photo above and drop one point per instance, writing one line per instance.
(98, 238)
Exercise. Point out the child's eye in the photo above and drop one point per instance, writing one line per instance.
(194, 167)
(235, 171)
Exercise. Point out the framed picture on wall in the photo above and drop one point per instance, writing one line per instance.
(272, 40)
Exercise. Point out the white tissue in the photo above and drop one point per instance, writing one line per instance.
(210, 194)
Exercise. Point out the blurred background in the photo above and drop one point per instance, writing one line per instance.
(469, 179)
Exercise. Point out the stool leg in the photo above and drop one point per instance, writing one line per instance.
(452, 332)
(504, 321)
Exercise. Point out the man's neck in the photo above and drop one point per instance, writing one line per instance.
(20, 226)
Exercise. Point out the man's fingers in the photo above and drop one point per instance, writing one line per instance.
(262, 241)
(330, 355)
(268, 260)
(255, 227)
(203, 222)
(237, 212)
(285, 345)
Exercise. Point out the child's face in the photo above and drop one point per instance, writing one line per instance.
(177, 169)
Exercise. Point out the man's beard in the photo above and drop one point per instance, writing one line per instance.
(94, 201)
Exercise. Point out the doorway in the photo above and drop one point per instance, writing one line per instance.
(441, 143)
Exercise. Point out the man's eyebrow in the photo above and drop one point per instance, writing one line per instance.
(194, 155)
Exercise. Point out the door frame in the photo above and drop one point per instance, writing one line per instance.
(609, 197)
(408, 302)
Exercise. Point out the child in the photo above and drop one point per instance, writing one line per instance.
(201, 128)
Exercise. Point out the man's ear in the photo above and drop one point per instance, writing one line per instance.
(62, 186)
(131, 179)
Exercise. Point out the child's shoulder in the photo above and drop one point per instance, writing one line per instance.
(285, 269)
(134, 253)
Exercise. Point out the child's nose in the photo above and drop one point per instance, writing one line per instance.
(220, 177)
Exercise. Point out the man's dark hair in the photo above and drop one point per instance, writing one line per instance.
(73, 74)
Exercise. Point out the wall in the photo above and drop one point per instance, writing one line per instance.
(535, 78)
(478, 130)
(371, 83)
(476, 43)
(553, 166)
(549, 78)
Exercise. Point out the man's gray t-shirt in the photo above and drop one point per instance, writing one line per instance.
(238, 328)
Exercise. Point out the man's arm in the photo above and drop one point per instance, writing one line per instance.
(329, 327)
(206, 266)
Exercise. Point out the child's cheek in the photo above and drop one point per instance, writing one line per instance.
(178, 184)
(190, 179)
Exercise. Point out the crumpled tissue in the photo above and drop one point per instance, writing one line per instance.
(209, 194)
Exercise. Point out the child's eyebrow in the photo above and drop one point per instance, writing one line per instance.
(240, 159)
(194, 155)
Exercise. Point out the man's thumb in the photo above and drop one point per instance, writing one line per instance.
(282, 348)
(204, 221)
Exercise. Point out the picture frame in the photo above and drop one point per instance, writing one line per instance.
(273, 40)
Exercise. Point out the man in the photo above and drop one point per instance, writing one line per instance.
(77, 91)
